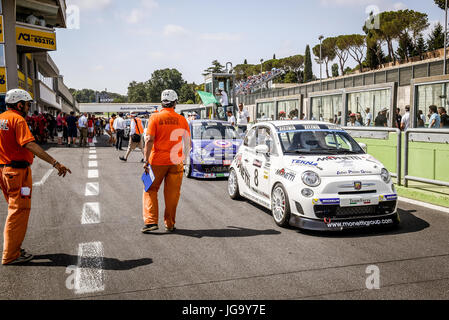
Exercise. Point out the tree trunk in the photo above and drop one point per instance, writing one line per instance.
(327, 68)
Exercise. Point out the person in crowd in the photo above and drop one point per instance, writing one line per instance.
(405, 121)
(303, 116)
(282, 115)
(135, 137)
(435, 119)
(369, 117)
(82, 126)
(72, 129)
(119, 127)
(359, 119)
(165, 132)
(398, 118)
(338, 118)
(242, 118)
(444, 117)
(64, 128)
(422, 119)
(17, 151)
(90, 127)
(353, 121)
(42, 129)
(231, 118)
(59, 127)
(381, 119)
(111, 127)
(335, 119)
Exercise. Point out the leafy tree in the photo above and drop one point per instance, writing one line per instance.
(356, 46)
(436, 38)
(187, 93)
(335, 70)
(216, 67)
(138, 92)
(308, 72)
(327, 52)
(290, 77)
(374, 54)
(342, 52)
(162, 80)
(348, 70)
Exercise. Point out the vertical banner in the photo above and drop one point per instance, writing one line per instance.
(2, 36)
(3, 80)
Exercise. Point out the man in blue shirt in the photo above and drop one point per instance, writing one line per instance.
(435, 120)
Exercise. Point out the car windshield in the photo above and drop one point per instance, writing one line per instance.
(213, 131)
(319, 142)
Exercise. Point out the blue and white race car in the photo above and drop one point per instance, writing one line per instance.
(214, 146)
(313, 175)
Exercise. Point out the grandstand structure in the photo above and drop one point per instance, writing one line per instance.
(255, 82)
(418, 84)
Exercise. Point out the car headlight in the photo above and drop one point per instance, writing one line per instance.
(386, 177)
(311, 179)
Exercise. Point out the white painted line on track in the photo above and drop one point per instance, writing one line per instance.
(92, 189)
(93, 164)
(91, 213)
(424, 204)
(44, 179)
(89, 276)
(93, 156)
(92, 174)
(93, 151)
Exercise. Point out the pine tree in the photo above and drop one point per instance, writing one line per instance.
(436, 38)
(406, 48)
(374, 55)
(245, 62)
(274, 56)
(308, 72)
(421, 46)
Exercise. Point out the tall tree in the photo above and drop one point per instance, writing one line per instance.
(342, 52)
(440, 3)
(356, 44)
(308, 72)
(216, 67)
(421, 47)
(374, 54)
(245, 62)
(406, 48)
(436, 38)
(138, 92)
(327, 52)
(274, 56)
(162, 80)
(187, 93)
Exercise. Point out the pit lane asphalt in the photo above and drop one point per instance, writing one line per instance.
(223, 249)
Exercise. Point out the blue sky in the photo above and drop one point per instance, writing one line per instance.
(120, 41)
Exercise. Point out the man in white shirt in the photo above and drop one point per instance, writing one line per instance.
(119, 127)
(82, 126)
(369, 117)
(224, 101)
(405, 121)
(242, 118)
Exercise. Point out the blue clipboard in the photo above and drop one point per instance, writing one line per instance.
(148, 179)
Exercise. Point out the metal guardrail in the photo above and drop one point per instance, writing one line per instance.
(430, 133)
(370, 132)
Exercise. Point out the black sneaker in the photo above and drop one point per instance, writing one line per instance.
(123, 159)
(143, 161)
(149, 228)
(24, 257)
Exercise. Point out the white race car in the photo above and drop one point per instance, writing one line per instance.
(313, 175)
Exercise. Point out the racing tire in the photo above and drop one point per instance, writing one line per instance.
(280, 206)
(233, 186)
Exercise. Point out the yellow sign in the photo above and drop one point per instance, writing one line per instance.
(2, 37)
(36, 38)
(3, 80)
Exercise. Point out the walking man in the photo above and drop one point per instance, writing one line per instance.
(119, 127)
(17, 147)
(135, 137)
(166, 145)
(82, 125)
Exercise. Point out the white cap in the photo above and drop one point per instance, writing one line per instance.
(15, 95)
(169, 95)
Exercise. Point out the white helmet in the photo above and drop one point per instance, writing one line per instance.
(15, 95)
(169, 96)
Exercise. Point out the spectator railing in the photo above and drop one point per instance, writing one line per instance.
(440, 136)
(381, 133)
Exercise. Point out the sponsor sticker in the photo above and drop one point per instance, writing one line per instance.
(287, 128)
(332, 201)
(335, 158)
(290, 176)
(222, 144)
(299, 162)
(257, 163)
(390, 197)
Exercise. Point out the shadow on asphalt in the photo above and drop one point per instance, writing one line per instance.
(409, 224)
(65, 260)
(232, 232)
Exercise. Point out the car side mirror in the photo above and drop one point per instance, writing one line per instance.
(363, 146)
(264, 149)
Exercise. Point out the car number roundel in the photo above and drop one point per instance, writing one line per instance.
(222, 144)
